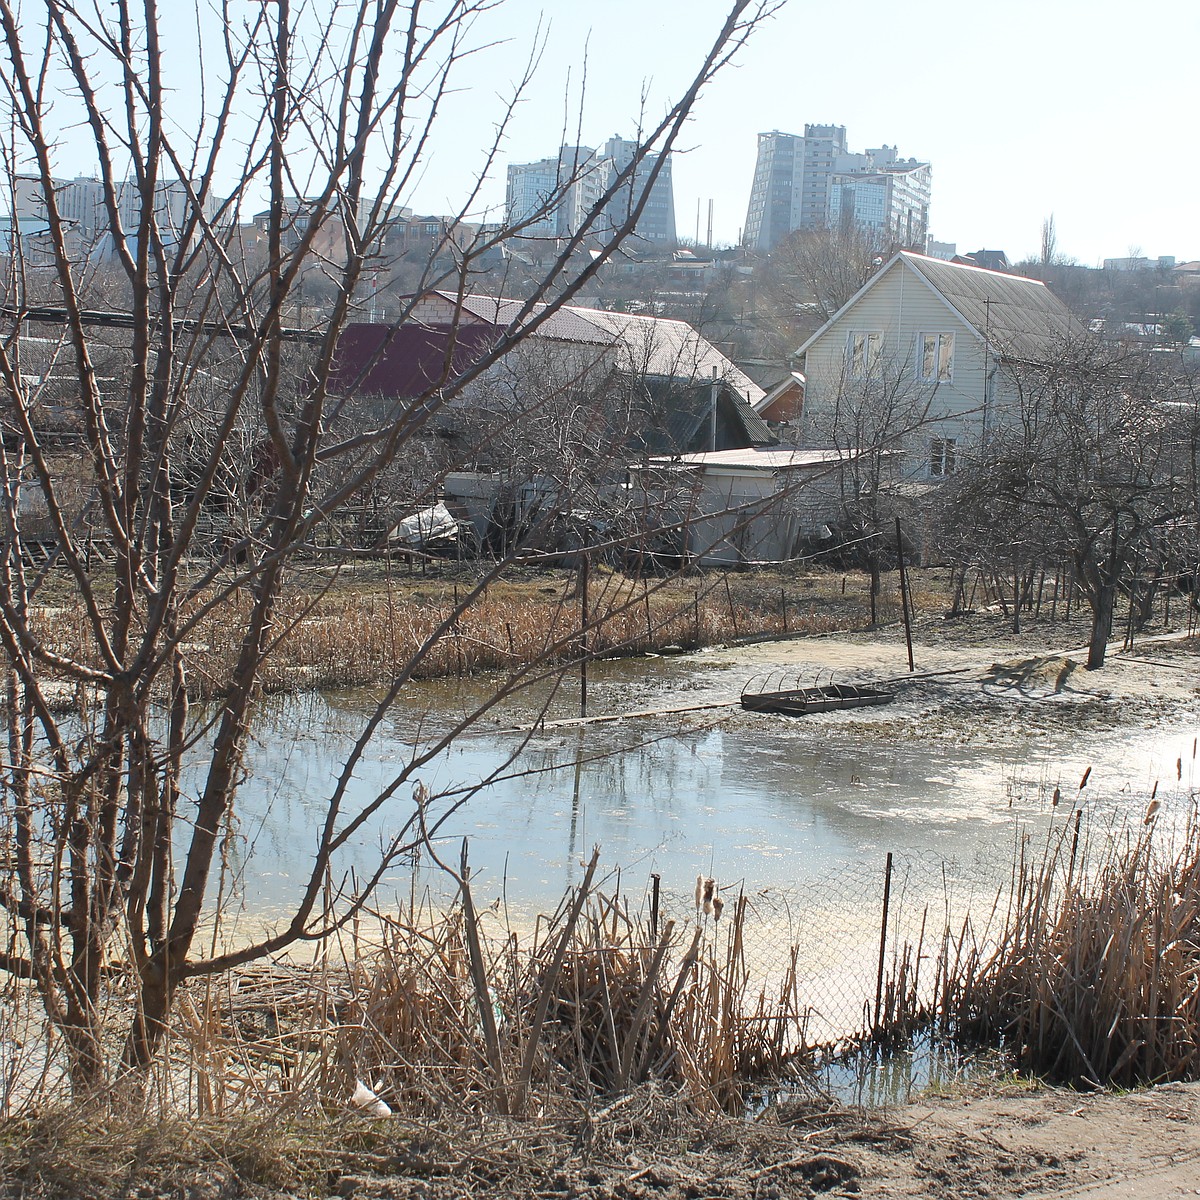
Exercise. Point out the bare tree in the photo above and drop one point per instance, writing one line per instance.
(105, 842)
(878, 407)
(1049, 251)
(1096, 467)
(822, 267)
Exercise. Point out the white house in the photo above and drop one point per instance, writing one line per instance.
(925, 345)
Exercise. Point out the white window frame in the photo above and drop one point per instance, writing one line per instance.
(943, 455)
(935, 357)
(864, 348)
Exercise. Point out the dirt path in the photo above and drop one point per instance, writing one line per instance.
(1042, 1144)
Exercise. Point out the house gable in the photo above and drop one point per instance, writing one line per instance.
(933, 333)
(879, 336)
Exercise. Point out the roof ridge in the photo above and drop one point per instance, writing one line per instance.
(916, 259)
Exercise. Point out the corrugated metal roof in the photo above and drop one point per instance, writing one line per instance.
(567, 324)
(686, 420)
(755, 458)
(1017, 316)
(670, 348)
(405, 362)
(659, 346)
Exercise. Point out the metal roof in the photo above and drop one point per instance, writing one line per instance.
(1019, 317)
(756, 458)
(406, 362)
(659, 346)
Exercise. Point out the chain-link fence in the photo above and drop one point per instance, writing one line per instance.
(850, 926)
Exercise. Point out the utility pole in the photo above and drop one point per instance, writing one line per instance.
(712, 422)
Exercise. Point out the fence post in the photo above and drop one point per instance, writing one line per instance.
(887, 899)
(904, 594)
(583, 633)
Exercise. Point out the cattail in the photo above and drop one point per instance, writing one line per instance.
(1057, 797)
(699, 891)
(1152, 811)
(718, 906)
(710, 887)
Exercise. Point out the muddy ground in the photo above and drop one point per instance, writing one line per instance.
(973, 677)
(1007, 1140)
(1005, 1143)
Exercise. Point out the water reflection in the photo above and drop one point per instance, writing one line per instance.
(768, 801)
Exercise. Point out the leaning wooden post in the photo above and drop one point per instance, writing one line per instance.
(904, 595)
(583, 632)
(887, 899)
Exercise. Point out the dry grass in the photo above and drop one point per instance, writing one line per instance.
(98, 1151)
(1089, 971)
(367, 625)
(592, 1003)
(597, 1003)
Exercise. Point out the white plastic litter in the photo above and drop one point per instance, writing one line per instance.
(367, 1100)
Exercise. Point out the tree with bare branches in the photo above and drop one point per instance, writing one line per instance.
(877, 409)
(216, 402)
(1095, 467)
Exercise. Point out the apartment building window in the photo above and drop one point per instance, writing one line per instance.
(935, 363)
(941, 457)
(862, 353)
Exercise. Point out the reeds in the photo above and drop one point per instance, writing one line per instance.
(597, 1003)
(447, 1009)
(363, 632)
(1090, 972)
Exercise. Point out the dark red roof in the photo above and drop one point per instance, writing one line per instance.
(406, 362)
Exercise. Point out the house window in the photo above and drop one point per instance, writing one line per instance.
(936, 360)
(862, 354)
(941, 457)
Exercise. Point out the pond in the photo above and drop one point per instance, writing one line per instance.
(761, 801)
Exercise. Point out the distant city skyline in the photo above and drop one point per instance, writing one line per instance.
(814, 181)
(1077, 109)
(1070, 110)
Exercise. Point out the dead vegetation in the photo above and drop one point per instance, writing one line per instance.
(362, 627)
(1087, 969)
(436, 1010)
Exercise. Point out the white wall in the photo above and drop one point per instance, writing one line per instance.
(902, 306)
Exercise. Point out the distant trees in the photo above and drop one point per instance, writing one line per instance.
(1178, 328)
(822, 267)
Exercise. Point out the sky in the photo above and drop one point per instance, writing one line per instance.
(1084, 110)
(1081, 109)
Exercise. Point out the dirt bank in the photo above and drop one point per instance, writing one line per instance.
(973, 678)
(1011, 1140)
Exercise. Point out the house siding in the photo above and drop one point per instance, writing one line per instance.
(902, 306)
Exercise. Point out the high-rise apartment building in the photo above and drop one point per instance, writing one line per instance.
(81, 205)
(815, 182)
(553, 197)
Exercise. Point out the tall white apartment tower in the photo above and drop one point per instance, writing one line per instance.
(815, 182)
(552, 198)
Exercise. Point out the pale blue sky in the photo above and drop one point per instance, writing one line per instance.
(1086, 109)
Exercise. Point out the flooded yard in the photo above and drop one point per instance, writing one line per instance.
(967, 758)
